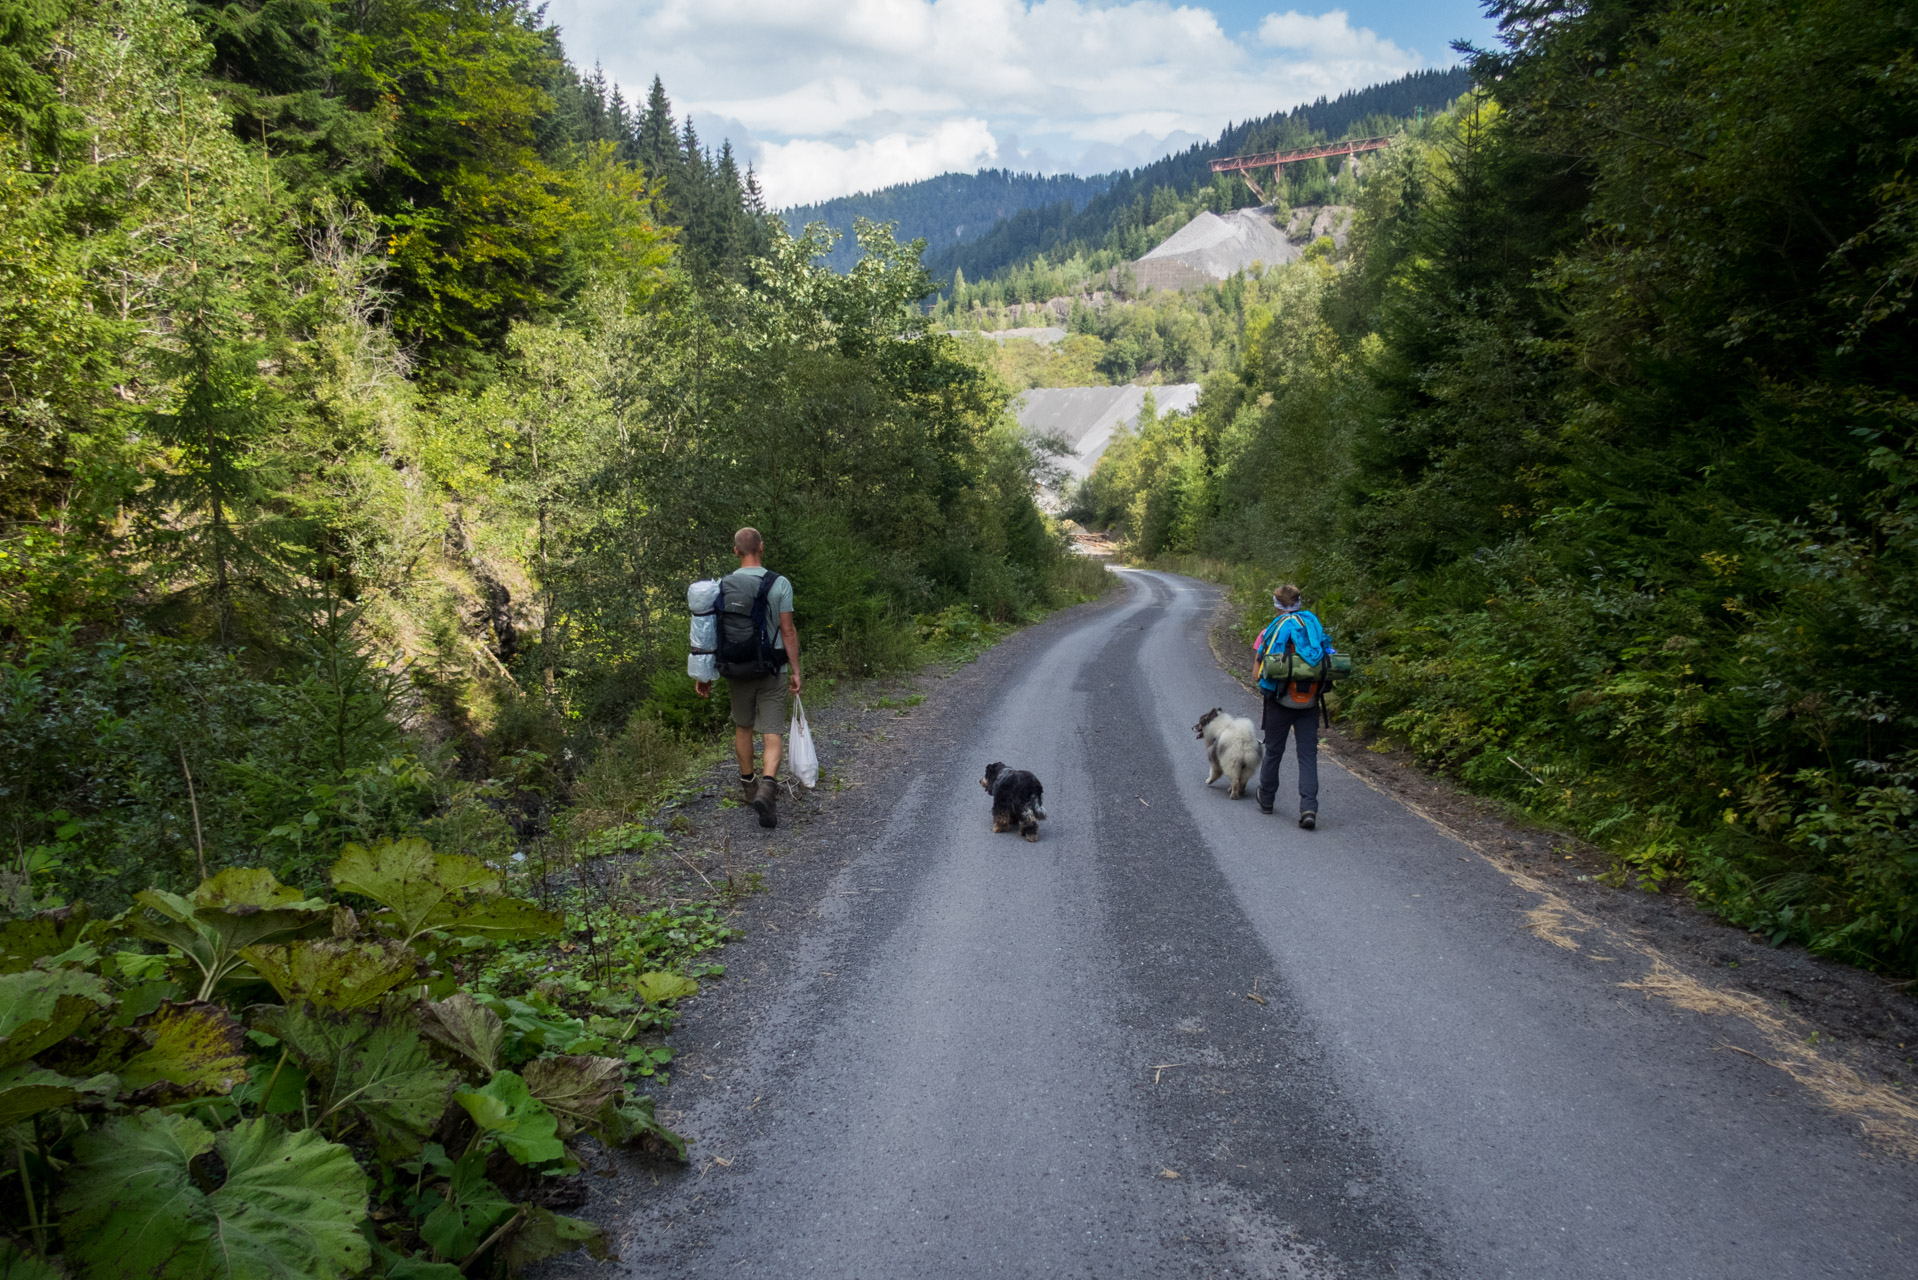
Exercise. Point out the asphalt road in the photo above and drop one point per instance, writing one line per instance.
(990, 1058)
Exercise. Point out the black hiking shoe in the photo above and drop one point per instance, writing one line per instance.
(1265, 802)
(1309, 819)
(765, 797)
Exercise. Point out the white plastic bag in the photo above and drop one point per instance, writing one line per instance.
(702, 598)
(801, 757)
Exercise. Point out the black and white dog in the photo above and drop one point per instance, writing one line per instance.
(1017, 798)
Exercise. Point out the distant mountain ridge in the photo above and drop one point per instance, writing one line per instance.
(946, 210)
(1126, 205)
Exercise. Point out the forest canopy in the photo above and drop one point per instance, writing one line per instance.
(373, 382)
(1598, 447)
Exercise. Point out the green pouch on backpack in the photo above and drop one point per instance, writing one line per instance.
(1283, 668)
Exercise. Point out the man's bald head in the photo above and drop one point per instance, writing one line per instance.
(747, 542)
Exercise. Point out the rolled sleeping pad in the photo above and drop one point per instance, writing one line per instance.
(702, 600)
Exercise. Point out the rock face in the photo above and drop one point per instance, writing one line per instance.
(1213, 246)
(1084, 418)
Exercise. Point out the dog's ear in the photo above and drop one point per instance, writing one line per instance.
(993, 771)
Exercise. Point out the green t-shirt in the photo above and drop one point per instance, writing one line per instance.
(778, 601)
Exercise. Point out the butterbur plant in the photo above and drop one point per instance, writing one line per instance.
(294, 1087)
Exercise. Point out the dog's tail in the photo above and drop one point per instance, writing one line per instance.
(1039, 809)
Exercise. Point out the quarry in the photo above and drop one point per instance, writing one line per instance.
(1208, 249)
(1214, 247)
(1083, 419)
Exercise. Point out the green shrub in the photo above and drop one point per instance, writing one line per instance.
(353, 1106)
(627, 776)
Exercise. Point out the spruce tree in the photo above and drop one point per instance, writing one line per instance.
(594, 122)
(658, 136)
(620, 126)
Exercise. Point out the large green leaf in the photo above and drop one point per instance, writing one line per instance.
(242, 909)
(502, 920)
(533, 1028)
(656, 988)
(41, 1007)
(143, 1200)
(417, 886)
(335, 973)
(619, 1124)
(575, 1088)
(469, 1209)
(378, 1069)
(544, 1234)
(465, 1025)
(424, 892)
(197, 1050)
(46, 934)
(17, 1264)
(27, 1090)
(287, 1081)
(240, 889)
(507, 1109)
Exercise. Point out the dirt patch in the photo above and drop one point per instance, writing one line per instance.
(1848, 1036)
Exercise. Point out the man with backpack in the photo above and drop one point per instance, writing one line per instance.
(1290, 661)
(756, 640)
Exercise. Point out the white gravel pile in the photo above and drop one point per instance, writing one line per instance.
(1220, 246)
(1086, 417)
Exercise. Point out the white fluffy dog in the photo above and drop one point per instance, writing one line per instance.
(1233, 748)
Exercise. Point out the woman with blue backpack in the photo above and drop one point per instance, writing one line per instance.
(1291, 663)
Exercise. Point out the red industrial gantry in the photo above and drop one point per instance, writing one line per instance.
(1244, 165)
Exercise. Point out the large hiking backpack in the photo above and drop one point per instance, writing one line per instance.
(746, 649)
(1296, 660)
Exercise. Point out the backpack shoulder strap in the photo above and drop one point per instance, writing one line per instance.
(762, 618)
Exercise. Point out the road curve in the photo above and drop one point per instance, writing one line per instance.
(990, 1058)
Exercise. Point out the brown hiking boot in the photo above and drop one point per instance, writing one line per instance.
(764, 798)
(748, 788)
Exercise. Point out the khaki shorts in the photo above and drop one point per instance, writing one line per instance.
(761, 705)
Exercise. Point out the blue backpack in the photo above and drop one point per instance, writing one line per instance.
(1293, 651)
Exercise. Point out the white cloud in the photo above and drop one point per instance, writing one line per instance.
(842, 95)
(1329, 35)
(806, 170)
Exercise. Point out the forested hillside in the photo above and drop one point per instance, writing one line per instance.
(943, 211)
(371, 386)
(1120, 224)
(1598, 450)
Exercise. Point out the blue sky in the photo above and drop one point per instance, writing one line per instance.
(827, 97)
(1427, 28)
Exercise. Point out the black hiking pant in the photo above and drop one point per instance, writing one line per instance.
(1303, 724)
